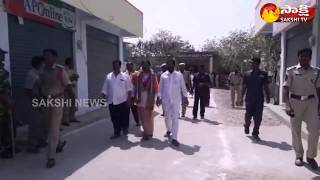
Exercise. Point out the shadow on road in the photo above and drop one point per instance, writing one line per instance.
(161, 145)
(317, 172)
(284, 146)
(196, 121)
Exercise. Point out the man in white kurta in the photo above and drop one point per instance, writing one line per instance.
(171, 87)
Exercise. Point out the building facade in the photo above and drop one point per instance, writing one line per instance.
(294, 36)
(89, 31)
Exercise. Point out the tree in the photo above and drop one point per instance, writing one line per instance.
(163, 43)
(239, 46)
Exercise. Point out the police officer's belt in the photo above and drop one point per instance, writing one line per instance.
(54, 96)
(302, 98)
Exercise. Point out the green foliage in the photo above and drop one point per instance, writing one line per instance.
(163, 43)
(240, 46)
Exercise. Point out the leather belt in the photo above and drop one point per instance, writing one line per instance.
(302, 98)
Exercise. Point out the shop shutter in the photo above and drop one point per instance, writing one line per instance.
(102, 48)
(29, 40)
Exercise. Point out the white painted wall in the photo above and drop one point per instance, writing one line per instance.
(119, 12)
(80, 54)
(4, 34)
(282, 66)
(315, 32)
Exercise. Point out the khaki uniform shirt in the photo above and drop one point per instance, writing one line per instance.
(235, 79)
(70, 73)
(54, 80)
(302, 82)
(187, 78)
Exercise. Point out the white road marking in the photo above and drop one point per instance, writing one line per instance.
(227, 160)
(75, 131)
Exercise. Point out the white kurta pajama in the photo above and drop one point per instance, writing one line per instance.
(171, 87)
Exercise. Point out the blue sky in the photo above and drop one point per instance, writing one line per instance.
(196, 20)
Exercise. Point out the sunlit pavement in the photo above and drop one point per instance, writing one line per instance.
(214, 148)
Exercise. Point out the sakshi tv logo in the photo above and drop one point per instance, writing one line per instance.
(271, 13)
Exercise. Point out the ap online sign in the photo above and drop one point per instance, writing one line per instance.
(51, 12)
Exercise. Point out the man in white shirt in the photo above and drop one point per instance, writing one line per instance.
(117, 89)
(171, 86)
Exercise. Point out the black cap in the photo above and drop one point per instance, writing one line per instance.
(255, 60)
(3, 51)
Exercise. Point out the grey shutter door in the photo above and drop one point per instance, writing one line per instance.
(29, 40)
(102, 49)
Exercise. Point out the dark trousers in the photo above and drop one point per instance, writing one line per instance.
(5, 136)
(254, 110)
(203, 99)
(119, 117)
(134, 110)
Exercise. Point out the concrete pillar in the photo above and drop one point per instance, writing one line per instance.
(4, 35)
(282, 66)
(316, 38)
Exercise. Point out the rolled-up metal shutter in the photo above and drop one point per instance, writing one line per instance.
(102, 48)
(29, 40)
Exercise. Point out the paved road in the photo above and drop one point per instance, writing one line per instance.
(215, 148)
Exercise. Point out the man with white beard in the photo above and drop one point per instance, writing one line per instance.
(171, 86)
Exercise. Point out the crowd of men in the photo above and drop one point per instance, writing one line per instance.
(46, 80)
(140, 88)
(302, 93)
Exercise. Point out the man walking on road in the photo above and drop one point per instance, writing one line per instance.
(117, 89)
(54, 82)
(171, 86)
(255, 82)
(302, 89)
(235, 81)
(187, 80)
(133, 77)
(201, 88)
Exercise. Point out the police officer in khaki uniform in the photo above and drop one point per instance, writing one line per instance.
(235, 81)
(54, 82)
(69, 112)
(187, 80)
(302, 87)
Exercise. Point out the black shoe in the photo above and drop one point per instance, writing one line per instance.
(6, 155)
(125, 132)
(175, 143)
(145, 138)
(51, 163)
(256, 138)
(138, 124)
(115, 136)
(195, 118)
(298, 162)
(313, 163)
(246, 129)
(60, 147)
(162, 114)
(168, 134)
(74, 121)
(33, 150)
(66, 124)
(42, 144)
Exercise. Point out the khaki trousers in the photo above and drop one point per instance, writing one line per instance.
(235, 90)
(54, 117)
(305, 111)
